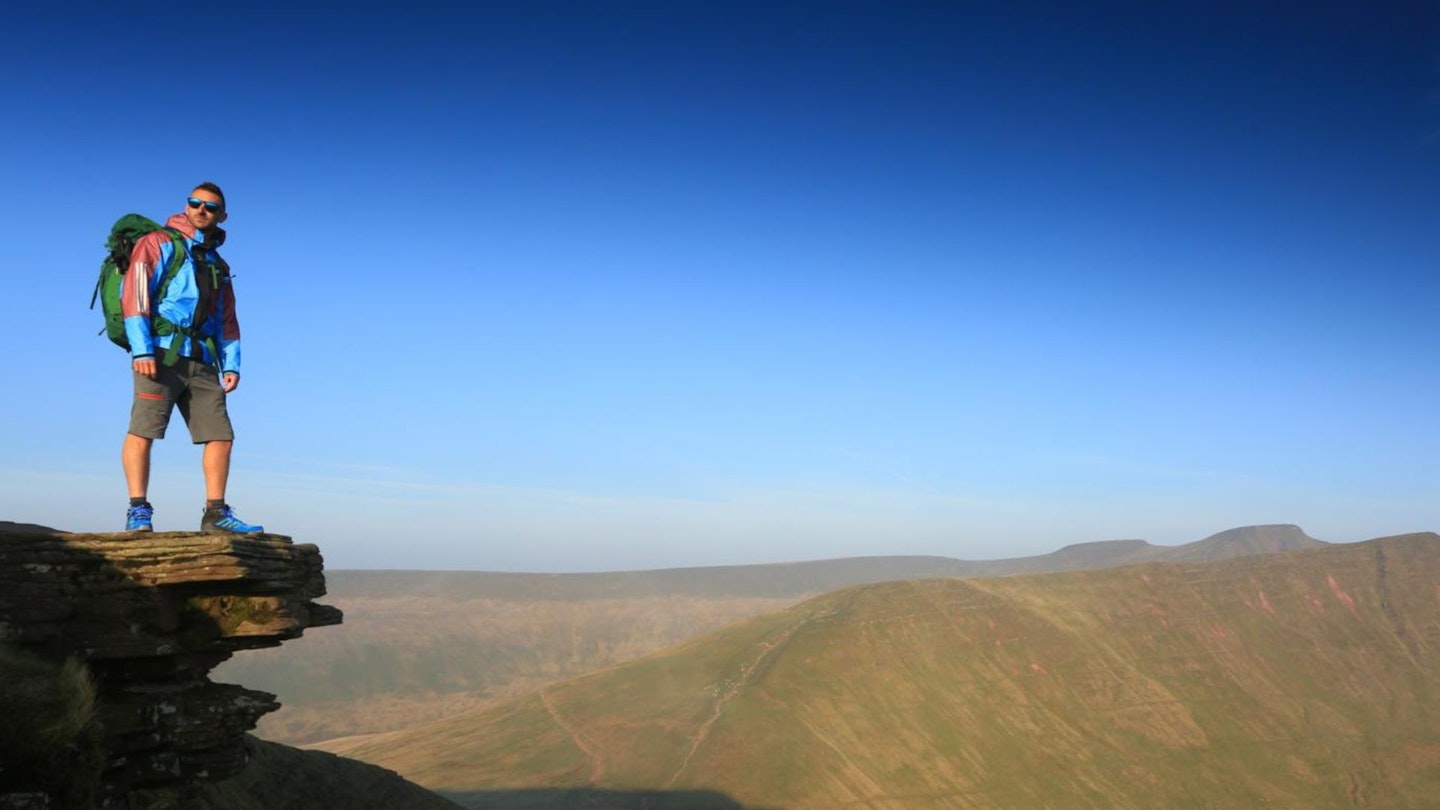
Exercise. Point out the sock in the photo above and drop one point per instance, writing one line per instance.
(140, 501)
(213, 505)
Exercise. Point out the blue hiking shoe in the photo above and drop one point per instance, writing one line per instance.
(222, 519)
(138, 518)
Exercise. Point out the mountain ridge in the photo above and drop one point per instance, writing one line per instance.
(1300, 680)
(429, 644)
(813, 576)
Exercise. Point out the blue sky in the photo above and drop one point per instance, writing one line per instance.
(580, 286)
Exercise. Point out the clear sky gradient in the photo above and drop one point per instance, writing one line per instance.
(586, 286)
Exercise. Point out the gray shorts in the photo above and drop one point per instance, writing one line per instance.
(192, 385)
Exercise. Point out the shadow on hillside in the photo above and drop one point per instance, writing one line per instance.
(593, 799)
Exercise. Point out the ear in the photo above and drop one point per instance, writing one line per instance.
(221, 217)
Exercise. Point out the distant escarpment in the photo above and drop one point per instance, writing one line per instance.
(106, 645)
(810, 578)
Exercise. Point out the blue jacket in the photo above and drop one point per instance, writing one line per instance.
(148, 262)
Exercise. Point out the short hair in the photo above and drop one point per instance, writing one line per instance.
(213, 189)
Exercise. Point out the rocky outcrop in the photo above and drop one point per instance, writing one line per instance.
(150, 616)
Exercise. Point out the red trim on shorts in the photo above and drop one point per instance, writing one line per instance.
(160, 397)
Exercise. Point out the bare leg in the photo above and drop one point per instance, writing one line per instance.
(135, 458)
(215, 461)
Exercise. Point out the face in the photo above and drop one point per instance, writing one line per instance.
(199, 215)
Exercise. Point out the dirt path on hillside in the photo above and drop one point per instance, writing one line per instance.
(597, 762)
(747, 674)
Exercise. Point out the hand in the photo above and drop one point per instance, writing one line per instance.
(144, 366)
(230, 381)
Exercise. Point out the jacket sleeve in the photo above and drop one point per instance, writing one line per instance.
(229, 331)
(135, 302)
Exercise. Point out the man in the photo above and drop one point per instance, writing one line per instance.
(197, 311)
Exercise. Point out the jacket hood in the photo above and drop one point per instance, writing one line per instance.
(181, 224)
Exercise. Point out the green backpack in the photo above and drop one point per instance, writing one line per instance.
(126, 231)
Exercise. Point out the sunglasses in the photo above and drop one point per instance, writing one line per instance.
(212, 207)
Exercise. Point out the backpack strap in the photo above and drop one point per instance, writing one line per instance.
(177, 260)
(163, 326)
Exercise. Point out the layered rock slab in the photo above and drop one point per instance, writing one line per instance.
(151, 615)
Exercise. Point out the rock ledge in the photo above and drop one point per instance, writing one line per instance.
(151, 615)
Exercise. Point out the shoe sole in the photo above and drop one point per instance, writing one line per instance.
(141, 530)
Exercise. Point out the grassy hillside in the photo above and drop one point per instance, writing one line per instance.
(399, 661)
(1303, 680)
(417, 646)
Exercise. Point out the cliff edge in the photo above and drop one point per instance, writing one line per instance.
(143, 619)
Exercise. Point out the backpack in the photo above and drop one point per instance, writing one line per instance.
(124, 234)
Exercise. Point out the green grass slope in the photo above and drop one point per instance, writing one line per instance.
(1302, 680)
(417, 646)
(400, 661)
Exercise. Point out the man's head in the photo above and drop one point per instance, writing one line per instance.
(205, 209)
